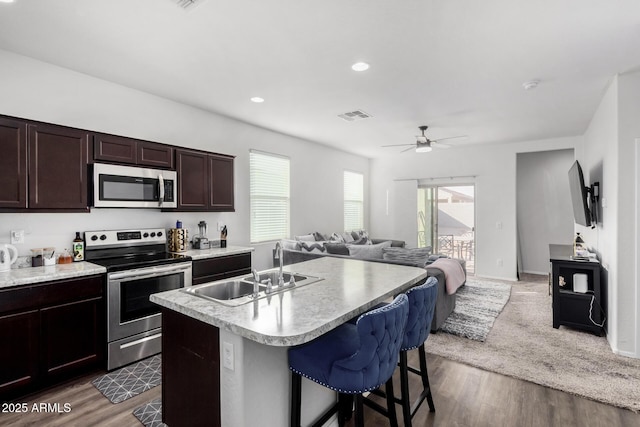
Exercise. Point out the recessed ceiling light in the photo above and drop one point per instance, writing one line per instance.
(257, 99)
(360, 66)
(531, 84)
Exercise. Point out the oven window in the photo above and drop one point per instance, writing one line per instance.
(134, 295)
(113, 187)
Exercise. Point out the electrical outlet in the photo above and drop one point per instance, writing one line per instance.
(499, 262)
(17, 236)
(227, 355)
(499, 225)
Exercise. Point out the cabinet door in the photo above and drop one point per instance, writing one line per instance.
(221, 183)
(155, 155)
(72, 338)
(19, 354)
(13, 164)
(58, 158)
(111, 148)
(193, 180)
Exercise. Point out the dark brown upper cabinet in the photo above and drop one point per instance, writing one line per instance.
(13, 164)
(205, 181)
(58, 158)
(118, 149)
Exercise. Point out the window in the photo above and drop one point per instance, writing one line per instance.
(269, 195)
(353, 201)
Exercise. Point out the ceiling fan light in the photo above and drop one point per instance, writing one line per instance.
(423, 149)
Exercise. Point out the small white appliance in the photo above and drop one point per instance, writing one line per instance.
(8, 255)
(580, 283)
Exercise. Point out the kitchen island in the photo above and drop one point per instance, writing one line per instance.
(227, 365)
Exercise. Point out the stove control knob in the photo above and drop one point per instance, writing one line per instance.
(153, 234)
(159, 233)
(103, 237)
(145, 235)
(94, 237)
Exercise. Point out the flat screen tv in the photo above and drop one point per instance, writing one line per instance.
(579, 196)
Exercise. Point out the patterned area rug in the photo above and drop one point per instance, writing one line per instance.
(124, 383)
(150, 414)
(478, 303)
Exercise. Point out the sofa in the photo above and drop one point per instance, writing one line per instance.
(303, 248)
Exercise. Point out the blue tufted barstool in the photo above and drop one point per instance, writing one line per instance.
(422, 302)
(352, 359)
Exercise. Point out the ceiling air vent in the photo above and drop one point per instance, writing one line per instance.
(352, 116)
(187, 4)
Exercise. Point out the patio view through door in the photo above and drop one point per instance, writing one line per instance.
(446, 221)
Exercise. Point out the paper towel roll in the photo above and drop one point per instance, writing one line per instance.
(580, 283)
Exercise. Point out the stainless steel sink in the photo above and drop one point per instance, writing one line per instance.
(273, 277)
(231, 292)
(236, 292)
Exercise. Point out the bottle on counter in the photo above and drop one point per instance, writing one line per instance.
(78, 248)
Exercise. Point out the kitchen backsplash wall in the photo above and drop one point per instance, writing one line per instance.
(59, 229)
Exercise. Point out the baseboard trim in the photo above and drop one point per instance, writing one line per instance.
(541, 273)
(508, 279)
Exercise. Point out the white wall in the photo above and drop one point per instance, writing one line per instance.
(494, 167)
(599, 160)
(39, 91)
(544, 211)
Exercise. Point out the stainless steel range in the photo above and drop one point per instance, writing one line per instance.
(138, 265)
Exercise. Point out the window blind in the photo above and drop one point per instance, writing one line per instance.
(269, 196)
(353, 201)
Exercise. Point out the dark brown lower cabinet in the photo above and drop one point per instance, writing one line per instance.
(190, 371)
(50, 332)
(19, 354)
(69, 345)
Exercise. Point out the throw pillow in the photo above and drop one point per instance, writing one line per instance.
(335, 237)
(359, 234)
(319, 236)
(347, 237)
(362, 241)
(368, 251)
(306, 238)
(336, 248)
(291, 245)
(414, 256)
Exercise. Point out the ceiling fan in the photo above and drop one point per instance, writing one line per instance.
(424, 144)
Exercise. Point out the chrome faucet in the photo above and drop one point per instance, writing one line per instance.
(256, 282)
(280, 257)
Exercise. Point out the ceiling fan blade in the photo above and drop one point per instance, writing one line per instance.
(449, 137)
(439, 145)
(396, 145)
(410, 148)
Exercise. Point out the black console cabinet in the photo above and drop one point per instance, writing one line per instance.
(571, 308)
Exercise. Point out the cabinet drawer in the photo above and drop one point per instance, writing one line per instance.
(214, 268)
(52, 293)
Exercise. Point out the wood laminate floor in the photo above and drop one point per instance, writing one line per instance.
(463, 395)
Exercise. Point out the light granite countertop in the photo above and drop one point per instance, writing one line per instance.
(295, 316)
(32, 275)
(216, 252)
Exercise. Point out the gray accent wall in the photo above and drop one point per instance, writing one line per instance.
(543, 205)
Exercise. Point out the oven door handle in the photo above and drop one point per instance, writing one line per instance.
(157, 271)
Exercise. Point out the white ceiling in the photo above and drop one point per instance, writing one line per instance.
(455, 65)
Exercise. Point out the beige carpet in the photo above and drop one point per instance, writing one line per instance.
(523, 344)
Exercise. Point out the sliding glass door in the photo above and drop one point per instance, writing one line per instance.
(446, 221)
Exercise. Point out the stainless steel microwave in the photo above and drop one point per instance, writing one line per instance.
(131, 187)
